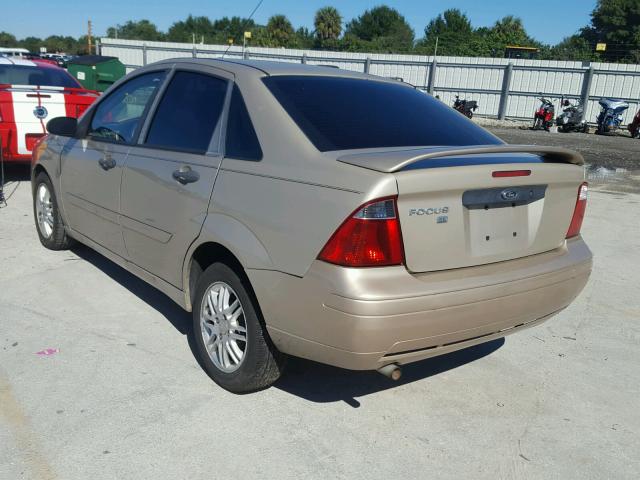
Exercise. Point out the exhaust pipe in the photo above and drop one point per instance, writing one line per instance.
(392, 371)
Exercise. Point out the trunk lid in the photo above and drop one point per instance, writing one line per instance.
(454, 212)
(31, 107)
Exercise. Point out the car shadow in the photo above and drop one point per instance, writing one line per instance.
(305, 379)
(17, 173)
(12, 175)
(175, 315)
(321, 383)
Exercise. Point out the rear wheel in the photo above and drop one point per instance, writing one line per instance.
(47, 216)
(232, 343)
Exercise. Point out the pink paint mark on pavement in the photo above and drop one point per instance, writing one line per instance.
(47, 351)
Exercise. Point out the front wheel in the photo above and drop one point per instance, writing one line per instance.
(232, 343)
(46, 212)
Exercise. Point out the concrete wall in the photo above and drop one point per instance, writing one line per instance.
(481, 79)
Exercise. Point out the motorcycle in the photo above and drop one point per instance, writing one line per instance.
(634, 126)
(465, 107)
(543, 118)
(572, 117)
(610, 117)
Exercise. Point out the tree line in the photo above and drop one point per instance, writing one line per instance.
(384, 30)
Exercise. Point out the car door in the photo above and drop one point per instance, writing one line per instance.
(169, 175)
(92, 164)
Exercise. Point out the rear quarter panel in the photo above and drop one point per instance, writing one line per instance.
(295, 198)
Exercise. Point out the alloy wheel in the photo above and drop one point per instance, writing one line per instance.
(223, 327)
(44, 210)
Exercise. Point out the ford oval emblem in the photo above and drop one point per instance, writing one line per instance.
(40, 112)
(509, 194)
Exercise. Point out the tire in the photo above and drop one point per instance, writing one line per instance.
(237, 365)
(49, 223)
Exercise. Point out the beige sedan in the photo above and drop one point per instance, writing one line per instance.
(309, 211)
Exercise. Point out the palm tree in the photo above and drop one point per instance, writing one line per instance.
(328, 23)
(280, 31)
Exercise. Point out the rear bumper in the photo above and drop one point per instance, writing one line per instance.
(14, 158)
(8, 141)
(365, 318)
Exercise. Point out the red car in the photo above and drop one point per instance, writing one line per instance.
(32, 93)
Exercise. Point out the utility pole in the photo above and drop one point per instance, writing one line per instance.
(435, 52)
(89, 36)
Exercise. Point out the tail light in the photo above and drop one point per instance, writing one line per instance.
(39, 146)
(31, 140)
(578, 211)
(370, 237)
(80, 109)
(510, 173)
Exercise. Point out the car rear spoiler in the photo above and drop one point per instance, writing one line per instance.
(44, 88)
(395, 160)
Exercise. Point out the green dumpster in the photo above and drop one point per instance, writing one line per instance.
(96, 72)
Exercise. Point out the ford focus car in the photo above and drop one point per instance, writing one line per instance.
(32, 92)
(309, 211)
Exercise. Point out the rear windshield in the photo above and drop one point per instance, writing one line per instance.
(26, 75)
(338, 113)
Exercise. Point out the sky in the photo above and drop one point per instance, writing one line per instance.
(548, 21)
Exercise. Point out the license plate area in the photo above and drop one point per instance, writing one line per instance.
(503, 220)
(504, 197)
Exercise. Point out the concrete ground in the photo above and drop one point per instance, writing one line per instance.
(123, 397)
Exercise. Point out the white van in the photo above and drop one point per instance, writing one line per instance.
(13, 52)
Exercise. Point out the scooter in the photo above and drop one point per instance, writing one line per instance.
(572, 117)
(543, 118)
(465, 107)
(610, 117)
(634, 126)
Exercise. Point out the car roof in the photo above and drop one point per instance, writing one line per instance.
(13, 49)
(265, 67)
(27, 63)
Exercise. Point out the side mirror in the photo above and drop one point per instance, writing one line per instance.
(63, 126)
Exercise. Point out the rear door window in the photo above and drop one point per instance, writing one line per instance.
(340, 113)
(242, 142)
(188, 113)
(118, 117)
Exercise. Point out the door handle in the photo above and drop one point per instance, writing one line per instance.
(107, 162)
(185, 175)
